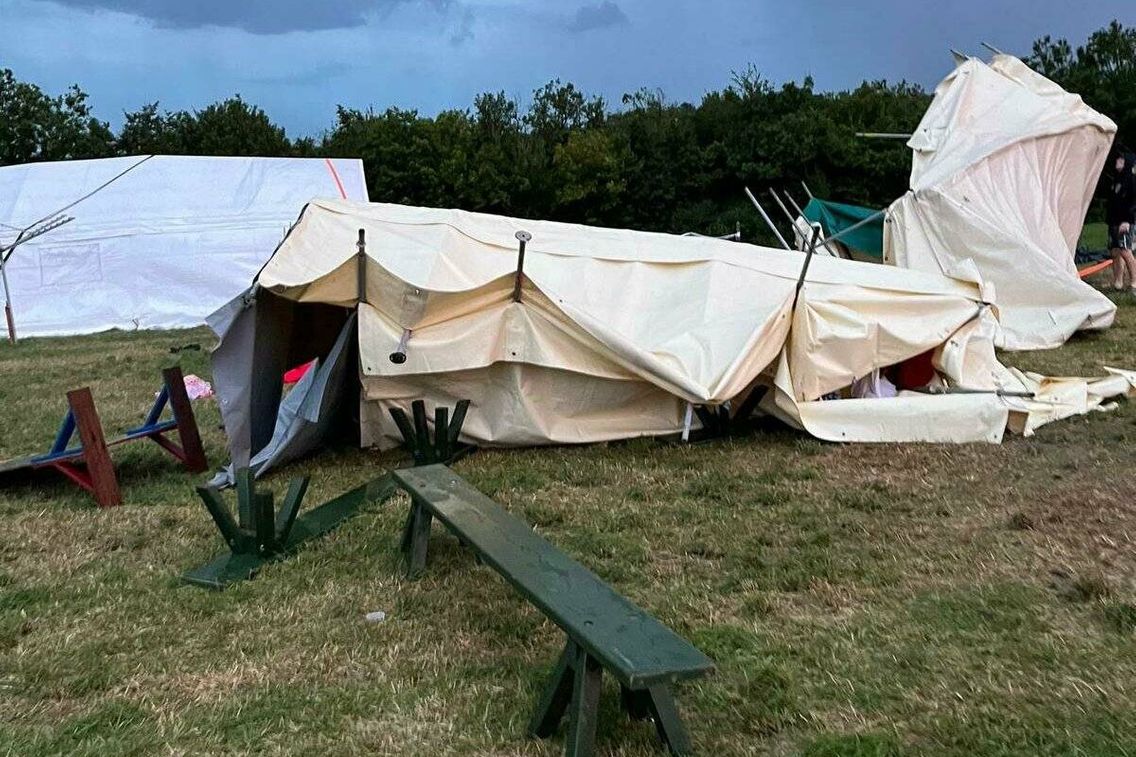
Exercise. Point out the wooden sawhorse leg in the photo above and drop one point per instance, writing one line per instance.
(190, 451)
(99, 478)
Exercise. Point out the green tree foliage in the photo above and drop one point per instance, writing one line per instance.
(230, 127)
(648, 164)
(1102, 71)
(35, 126)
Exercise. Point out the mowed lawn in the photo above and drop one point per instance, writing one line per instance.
(858, 600)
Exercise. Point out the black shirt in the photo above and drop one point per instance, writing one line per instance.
(1122, 198)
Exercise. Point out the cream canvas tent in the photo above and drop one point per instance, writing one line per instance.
(1005, 164)
(156, 241)
(615, 334)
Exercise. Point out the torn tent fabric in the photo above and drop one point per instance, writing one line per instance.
(1004, 166)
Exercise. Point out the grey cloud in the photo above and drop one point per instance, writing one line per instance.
(464, 31)
(255, 16)
(598, 16)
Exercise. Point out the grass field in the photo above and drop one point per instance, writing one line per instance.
(859, 600)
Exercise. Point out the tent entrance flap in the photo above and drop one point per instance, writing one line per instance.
(267, 425)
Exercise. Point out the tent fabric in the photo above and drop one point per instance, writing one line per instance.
(1004, 166)
(166, 242)
(306, 414)
(616, 330)
(835, 217)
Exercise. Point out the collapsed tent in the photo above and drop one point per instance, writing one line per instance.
(863, 242)
(156, 241)
(612, 334)
(1005, 164)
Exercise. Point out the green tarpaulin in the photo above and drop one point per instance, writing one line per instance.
(835, 217)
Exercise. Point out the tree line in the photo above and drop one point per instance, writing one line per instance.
(645, 163)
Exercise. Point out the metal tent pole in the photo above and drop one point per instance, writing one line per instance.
(8, 303)
(768, 220)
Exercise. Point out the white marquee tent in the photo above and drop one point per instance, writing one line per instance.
(1005, 165)
(156, 241)
(616, 333)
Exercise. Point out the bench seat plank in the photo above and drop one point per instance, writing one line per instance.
(635, 647)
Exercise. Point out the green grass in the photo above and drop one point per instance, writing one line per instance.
(1094, 236)
(858, 600)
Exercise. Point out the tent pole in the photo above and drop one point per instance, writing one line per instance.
(361, 268)
(398, 357)
(8, 303)
(768, 220)
(805, 267)
(785, 210)
(807, 190)
(522, 238)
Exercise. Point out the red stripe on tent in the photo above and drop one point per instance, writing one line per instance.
(1090, 270)
(335, 175)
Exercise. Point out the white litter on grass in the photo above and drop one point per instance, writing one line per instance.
(197, 387)
(378, 616)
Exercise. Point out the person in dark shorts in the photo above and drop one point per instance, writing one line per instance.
(1121, 217)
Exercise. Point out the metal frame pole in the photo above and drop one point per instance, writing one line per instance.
(523, 237)
(767, 219)
(8, 302)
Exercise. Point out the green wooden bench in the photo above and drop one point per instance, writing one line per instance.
(605, 630)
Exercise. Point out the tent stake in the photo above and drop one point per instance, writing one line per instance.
(768, 220)
(523, 237)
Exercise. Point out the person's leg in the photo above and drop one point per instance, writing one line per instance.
(1118, 267)
(1130, 263)
(1118, 263)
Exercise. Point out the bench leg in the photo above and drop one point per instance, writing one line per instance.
(557, 693)
(584, 708)
(667, 722)
(419, 540)
(407, 532)
(637, 704)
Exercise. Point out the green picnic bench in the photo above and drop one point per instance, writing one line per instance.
(605, 630)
